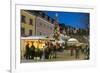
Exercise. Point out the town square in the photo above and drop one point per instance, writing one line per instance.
(49, 36)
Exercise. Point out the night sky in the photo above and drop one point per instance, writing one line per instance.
(74, 19)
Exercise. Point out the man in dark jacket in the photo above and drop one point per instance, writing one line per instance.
(27, 51)
(32, 52)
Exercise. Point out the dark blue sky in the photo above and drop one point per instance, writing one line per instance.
(74, 19)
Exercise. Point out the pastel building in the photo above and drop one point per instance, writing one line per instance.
(44, 27)
(36, 23)
(27, 23)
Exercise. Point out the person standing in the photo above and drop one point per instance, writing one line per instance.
(77, 52)
(43, 52)
(51, 51)
(27, 55)
(32, 51)
(55, 51)
(72, 50)
(87, 52)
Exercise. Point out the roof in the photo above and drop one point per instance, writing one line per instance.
(34, 37)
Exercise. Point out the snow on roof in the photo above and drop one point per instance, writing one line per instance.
(34, 37)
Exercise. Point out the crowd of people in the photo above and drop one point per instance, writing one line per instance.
(77, 50)
(47, 51)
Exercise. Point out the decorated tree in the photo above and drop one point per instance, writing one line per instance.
(56, 31)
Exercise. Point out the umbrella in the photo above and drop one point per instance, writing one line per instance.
(72, 41)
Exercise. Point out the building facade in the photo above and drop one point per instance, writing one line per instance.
(36, 23)
(44, 27)
(27, 23)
